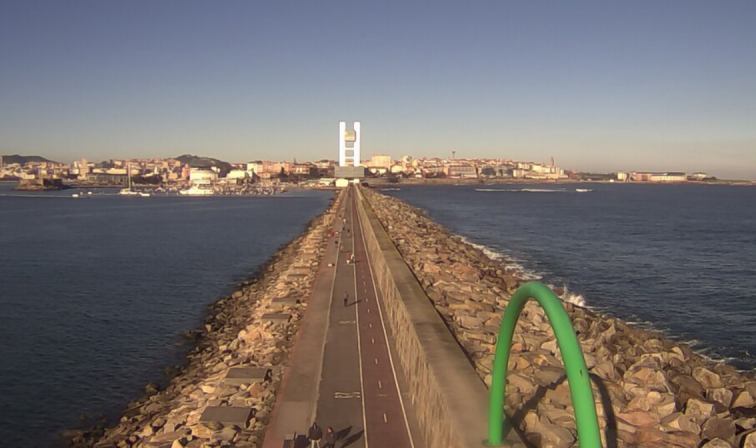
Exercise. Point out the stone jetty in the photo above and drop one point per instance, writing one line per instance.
(224, 394)
(649, 391)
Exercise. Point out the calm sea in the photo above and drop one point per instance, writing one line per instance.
(676, 258)
(95, 293)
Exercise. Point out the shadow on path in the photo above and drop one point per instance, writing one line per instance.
(351, 439)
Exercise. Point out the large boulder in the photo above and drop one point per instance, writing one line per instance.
(719, 428)
(680, 422)
(720, 395)
(747, 439)
(699, 410)
(707, 378)
(716, 443)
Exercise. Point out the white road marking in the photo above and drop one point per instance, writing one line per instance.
(376, 361)
(391, 358)
(346, 395)
(372, 340)
(359, 353)
(380, 385)
(385, 420)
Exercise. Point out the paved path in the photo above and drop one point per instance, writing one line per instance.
(386, 422)
(341, 371)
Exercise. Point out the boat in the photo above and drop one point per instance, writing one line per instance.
(583, 190)
(129, 191)
(199, 190)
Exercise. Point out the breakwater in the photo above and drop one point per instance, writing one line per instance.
(253, 327)
(650, 391)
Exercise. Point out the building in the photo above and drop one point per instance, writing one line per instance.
(238, 175)
(380, 161)
(637, 176)
(302, 169)
(461, 171)
(378, 170)
(202, 176)
(108, 179)
(83, 167)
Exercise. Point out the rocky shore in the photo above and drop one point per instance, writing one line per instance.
(252, 328)
(650, 391)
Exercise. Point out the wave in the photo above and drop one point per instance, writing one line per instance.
(710, 354)
(521, 190)
(573, 298)
(515, 266)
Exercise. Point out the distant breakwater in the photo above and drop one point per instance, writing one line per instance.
(650, 391)
(238, 332)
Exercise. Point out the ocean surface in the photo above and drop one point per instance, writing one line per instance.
(94, 293)
(676, 258)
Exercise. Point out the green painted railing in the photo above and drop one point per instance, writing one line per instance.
(574, 364)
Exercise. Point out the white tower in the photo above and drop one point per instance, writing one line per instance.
(349, 145)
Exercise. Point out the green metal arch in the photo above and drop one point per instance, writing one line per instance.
(574, 363)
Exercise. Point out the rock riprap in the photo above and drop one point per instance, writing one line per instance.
(224, 394)
(649, 391)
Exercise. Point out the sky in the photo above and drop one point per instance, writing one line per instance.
(600, 86)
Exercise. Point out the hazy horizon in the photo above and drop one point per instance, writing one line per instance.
(601, 87)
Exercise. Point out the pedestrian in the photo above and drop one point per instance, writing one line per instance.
(315, 434)
(330, 438)
(346, 298)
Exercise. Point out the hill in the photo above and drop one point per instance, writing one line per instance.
(23, 160)
(205, 162)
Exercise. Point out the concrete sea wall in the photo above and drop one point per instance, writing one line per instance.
(649, 391)
(237, 333)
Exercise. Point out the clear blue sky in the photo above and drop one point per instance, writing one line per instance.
(601, 86)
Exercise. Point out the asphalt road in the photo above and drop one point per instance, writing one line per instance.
(359, 394)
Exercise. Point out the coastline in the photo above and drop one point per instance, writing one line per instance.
(236, 334)
(384, 182)
(650, 390)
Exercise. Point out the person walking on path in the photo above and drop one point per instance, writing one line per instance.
(346, 298)
(315, 434)
(330, 438)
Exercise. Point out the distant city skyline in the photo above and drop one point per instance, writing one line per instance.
(643, 86)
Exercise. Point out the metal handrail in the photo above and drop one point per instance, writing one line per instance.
(574, 363)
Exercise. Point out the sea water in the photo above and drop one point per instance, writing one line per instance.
(676, 258)
(94, 293)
